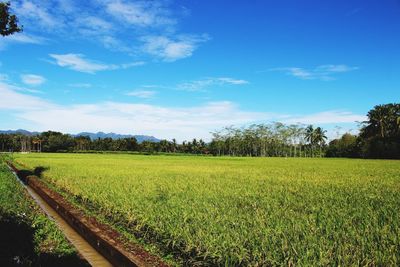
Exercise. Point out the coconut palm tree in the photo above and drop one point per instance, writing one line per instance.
(174, 145)
(319, 138)
(398, 122)
(309, 135)
(378, 119)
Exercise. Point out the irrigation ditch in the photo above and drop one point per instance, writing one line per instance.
(98, 243)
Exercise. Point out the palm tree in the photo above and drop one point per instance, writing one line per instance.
(319, 138)
(174, 145)
(310, 137)
(378, 118)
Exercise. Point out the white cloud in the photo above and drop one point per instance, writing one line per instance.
(201, 85)
(32, 79)
(132, 64)
(232, 81)
(164, 122)
(335, 68)
(81, 85)
(142, 93)
(322, 72)
(78, 62)
(25, 38)
(110, 22)
(12, 99)
(93, 25)
(169, 49)
(140, 13)
(327, 117)
(39, 13)
(180, 123)
(20, 38)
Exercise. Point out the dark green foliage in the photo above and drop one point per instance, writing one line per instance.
(59, 142)
(8, 21)
(379, 137)
(346, 147)
(383, 121)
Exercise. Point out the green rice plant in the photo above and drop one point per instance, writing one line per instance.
(228, 211)
(27, 236)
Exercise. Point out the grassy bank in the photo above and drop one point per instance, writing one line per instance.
(242, 211)
(28, 237)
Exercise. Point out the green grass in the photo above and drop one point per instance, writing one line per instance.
(28, 237)
(242, 211)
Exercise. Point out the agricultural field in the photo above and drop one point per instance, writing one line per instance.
(28, 237)
(240, 211)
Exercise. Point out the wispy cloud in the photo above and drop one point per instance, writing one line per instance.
(78, 62)
(142, 93)
(13, 98)
(80, 85)
(232, 81)
(132, 64)
(203, 84)
(32, 79)
(322, 72)
(152, 23)
(20, 38)
(142, 14)
(93, 25)
(169, 49)
(32, 11)
(326, 117)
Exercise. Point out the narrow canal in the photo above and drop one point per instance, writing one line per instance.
(82, 246)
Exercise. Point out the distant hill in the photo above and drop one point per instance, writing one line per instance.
(139, 138)
(93, 136)
(19, 131)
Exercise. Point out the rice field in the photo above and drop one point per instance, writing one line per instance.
(27, 236)
(229, 211)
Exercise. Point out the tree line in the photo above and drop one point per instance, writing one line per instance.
(262, 140)
(257, 140)
(379, 137)
(52, 141)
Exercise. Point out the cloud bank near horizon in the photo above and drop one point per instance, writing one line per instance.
(182, 123)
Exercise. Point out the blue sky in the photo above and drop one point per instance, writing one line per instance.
(184, 68)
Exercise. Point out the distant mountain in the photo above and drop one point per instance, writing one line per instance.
(139, 138)
(93, 136)
(19, 131)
